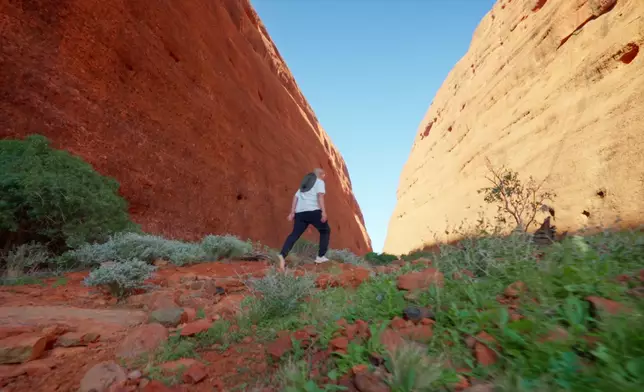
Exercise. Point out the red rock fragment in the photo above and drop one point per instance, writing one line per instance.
(484, 354)
(515, 289)
(196, 327)
(606, 305)
(420, 280)
(22, 348)
(195, 374)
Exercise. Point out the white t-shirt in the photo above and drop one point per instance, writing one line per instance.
(308, 201)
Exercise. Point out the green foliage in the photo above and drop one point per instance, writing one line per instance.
(516, 201)
(377, 299)
(224, 246)
(120, 278)
(176, 348)
(416, 255)
(218, 333)
(52, 197)
(357, 354)
(278, 295)
(294, 377)
(380, 258)
(21, 281)
(345, 256)
(558, 282)
(146, 247)
(412, 370)
(486, 255)
(305, 249)
(25, 259)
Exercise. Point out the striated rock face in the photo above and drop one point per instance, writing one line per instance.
(550, 88)
(187, 103)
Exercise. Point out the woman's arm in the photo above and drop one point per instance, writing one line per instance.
(291, 215)
(294, 204)
(322, 206)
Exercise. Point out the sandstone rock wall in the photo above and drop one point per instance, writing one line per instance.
(550, 88)
(187, 103)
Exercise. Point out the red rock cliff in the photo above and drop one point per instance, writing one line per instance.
(550, 88)
(187, 103)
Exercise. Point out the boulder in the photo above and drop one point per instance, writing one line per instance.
(168, 317)
(142, 340)
(369, 382)
(420, 280)
(22, 348)
(195, 327)
(101, 376)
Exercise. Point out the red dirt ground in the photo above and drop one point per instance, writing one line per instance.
(67, 303)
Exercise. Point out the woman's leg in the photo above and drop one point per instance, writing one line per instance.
(299, 226)
(325, 232)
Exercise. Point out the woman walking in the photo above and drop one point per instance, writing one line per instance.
(308, 208)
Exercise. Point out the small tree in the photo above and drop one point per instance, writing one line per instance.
(515, 200)
(49, 196)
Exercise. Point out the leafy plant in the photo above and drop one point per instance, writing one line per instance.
(129, 246)
(345, 256)
(146, 247)
(176, 348)
(52, 197)
(411, 370)
(224, 246)
(380, 258)
(357, 354)
(120, 278)
(25, 259)
(218, 333)
(278, 295)
(294, 377)
(516, 201)
(305, 249)
(377, 299)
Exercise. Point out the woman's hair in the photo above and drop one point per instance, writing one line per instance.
(308, 181)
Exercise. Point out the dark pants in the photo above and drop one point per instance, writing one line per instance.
(301, 222)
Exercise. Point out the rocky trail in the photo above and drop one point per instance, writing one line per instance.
(59, 334)
(355, 328)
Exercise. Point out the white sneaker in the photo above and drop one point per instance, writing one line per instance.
(282, 262)
(320, 260)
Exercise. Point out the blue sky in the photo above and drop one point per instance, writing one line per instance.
(369, 69)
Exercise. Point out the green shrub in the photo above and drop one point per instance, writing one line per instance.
(415, 255)
(278, 295)
(52, 197)
(146, 247)
(225, 246)
(380, 258)
(345, 256)
(376, 299)
(294, 376)
(305, 249)
(25, 259)
(412, 370)
(486, 255)
(128, 246)
(120, 277)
